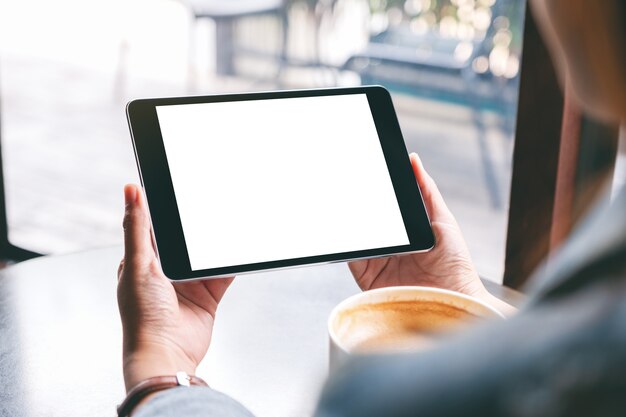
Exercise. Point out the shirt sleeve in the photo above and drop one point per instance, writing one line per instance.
(192, 402)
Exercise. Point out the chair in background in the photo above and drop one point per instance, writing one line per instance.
(9, 253)
(444, 68)
(225, 14)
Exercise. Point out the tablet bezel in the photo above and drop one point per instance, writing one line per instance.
(159, 191)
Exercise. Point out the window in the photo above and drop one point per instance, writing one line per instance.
(452, 66)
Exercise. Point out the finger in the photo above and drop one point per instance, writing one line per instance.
(137, 241)
(433, 200)
(358, 268)
(217, 287)
(205, 294)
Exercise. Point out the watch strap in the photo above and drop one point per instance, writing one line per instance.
(155, 384)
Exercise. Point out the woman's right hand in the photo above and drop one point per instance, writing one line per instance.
(166, 326)
(448, 265)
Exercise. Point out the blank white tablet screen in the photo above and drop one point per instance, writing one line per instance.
(268, 180)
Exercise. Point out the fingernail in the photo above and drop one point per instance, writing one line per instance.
(415, 156)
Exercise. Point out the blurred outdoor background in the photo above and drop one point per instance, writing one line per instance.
(68, 67)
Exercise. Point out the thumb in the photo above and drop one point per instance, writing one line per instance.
(137, 241)
(433, 200)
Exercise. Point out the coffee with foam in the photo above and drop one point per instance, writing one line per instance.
(400, 319)
(398, 325)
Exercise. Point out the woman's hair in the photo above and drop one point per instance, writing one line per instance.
(593, 37)
(588, 39)
(621, 13)
(611, 60)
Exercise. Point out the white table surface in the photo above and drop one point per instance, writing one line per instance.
(61, 337)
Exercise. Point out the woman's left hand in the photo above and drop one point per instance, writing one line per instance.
(448, 265)
(167, 326)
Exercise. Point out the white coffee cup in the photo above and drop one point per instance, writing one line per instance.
(399, 319)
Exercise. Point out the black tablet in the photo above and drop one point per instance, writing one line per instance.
(248, 182)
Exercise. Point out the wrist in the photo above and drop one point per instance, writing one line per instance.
(500, 305)
(154, 360)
